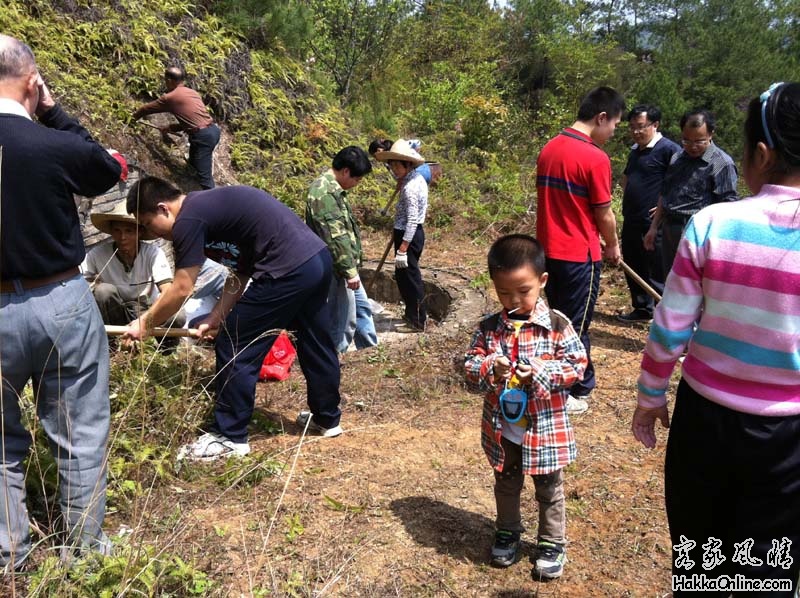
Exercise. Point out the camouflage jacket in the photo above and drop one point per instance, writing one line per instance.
(328, 214)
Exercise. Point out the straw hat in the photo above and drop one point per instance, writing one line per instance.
(401, 150)
(102, 221)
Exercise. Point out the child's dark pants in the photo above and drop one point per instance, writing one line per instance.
(549, 494)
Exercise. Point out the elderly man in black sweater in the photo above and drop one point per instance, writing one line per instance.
(50, 326)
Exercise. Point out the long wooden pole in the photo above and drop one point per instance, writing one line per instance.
(159, 332)
(384, 211)
(389, 203)
(148, 124)
(640, 281)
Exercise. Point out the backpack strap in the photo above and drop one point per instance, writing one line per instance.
(489, 323)
(558, 321)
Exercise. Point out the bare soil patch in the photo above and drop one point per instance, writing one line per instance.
(402, 503)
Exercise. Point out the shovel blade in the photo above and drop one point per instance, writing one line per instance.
(376, 307)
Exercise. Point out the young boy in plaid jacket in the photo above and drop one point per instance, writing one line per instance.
(529, 346)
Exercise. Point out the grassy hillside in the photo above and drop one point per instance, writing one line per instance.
(401, 504)
(280, 120)
(102, 59)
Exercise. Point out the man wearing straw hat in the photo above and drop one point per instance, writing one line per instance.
(50, 328)
(127, 274)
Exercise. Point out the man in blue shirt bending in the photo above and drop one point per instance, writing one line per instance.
(290, 271)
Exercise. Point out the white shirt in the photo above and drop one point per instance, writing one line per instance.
(150, 269)
(9, 106)
(656, 138)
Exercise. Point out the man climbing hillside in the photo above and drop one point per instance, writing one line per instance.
(193, 119)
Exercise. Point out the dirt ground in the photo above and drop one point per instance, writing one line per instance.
(402, 503)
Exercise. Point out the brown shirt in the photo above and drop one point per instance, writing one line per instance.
(186, 104)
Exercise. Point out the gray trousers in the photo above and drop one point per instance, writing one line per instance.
(54, 336)
(549, 490)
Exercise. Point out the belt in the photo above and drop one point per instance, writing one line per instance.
(197, 129)
(7, 286)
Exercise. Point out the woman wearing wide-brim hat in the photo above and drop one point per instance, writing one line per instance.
(409, 236)
(430, 171)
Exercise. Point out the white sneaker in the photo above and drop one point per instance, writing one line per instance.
(211, 446)
(304, 416)
(577, 405)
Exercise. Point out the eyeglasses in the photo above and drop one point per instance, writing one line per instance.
(696, 143)
(642, 129)
(764, 97)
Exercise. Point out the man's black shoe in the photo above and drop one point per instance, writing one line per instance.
(637, 315)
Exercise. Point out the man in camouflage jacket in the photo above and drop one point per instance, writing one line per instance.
(329, 215)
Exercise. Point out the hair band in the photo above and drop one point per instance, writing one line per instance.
(764, 97)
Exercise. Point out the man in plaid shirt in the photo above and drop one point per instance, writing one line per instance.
(531, 347)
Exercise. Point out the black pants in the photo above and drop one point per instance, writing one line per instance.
(647, 264)
(671, 233)
(572, 289)
(733, 477)
(409, 280)
(298, 302)
(201, 152)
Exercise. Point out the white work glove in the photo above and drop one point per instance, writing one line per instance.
(401, 260)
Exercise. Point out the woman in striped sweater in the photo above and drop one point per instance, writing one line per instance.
(732, 471)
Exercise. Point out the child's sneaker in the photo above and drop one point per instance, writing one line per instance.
(550, 560)
(504, 551)
(315, 428)
(211, 446)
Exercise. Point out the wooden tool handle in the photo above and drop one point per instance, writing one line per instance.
(640, 281)
(159, 332)
(374, 276)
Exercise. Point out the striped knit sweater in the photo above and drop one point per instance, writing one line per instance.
(737, 274)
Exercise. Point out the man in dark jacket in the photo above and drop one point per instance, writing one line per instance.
(289, 270)
(50, 327)
(644, 174)
(699, 175)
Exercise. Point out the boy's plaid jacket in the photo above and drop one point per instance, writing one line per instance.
(558, 359)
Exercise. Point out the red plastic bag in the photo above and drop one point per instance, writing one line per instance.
(279, 360)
